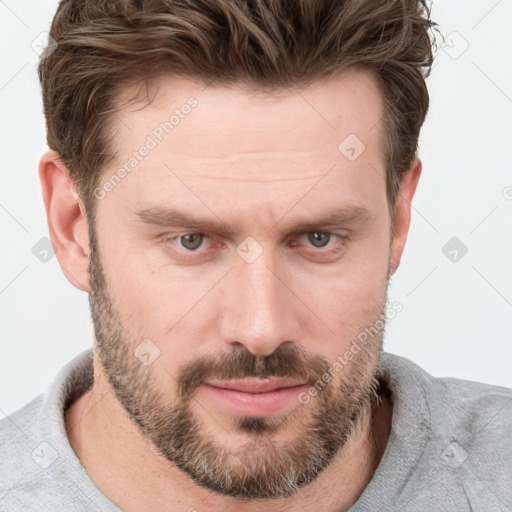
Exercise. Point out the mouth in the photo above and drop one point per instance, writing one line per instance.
(255, 397)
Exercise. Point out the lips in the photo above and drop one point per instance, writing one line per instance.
(253, 396)
(253, 385)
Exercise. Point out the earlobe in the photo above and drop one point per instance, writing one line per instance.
(67, 220)
(402, 213)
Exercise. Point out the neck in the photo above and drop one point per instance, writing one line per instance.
(132, 474)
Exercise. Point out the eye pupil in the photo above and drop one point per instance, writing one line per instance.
(192, 242)
(319, 239)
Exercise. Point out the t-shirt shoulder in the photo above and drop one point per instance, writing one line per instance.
(20, 455)
(476, 404)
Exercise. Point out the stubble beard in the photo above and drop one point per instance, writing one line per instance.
(262, 467)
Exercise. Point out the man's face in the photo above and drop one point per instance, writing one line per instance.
(184, 312)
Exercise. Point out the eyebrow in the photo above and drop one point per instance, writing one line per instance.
(171, 217)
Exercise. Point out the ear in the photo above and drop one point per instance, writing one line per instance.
(67, 220)
(402, 213)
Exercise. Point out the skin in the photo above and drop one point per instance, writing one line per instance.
(263, 161)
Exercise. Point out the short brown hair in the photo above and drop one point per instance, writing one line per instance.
(105, 46)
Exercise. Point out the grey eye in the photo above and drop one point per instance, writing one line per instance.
(192, 242)
(319, 239)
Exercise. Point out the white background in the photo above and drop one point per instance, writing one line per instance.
(457, 317)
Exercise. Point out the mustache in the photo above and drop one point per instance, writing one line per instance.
(288, 362)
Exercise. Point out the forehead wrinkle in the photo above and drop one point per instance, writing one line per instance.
(236, 154)
(241, 179)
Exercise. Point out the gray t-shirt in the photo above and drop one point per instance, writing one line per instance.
(450, 447)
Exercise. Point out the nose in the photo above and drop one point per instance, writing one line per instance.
(260, 310)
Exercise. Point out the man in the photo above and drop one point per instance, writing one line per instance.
(231, 182)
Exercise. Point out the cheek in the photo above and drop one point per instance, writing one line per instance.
(170, 305)
(356, 280)
(348, 297)
(347, 304)
(156, 314)
(141, 294)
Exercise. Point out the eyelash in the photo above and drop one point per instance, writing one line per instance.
(194, 255)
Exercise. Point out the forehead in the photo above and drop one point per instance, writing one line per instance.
(235, 120)
(226, 149)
